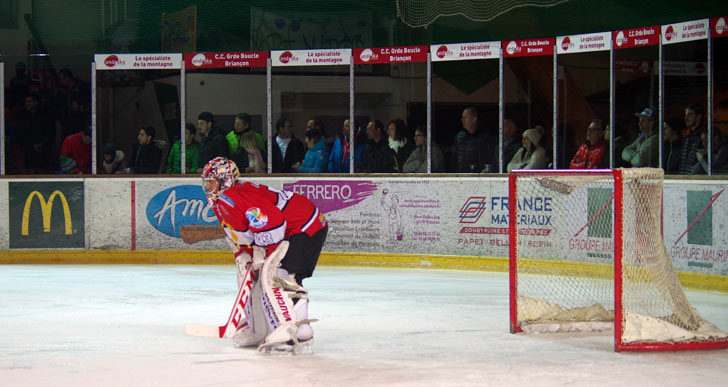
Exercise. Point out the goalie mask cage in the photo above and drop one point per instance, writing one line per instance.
(586, 254)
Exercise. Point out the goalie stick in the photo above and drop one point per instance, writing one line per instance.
(236, 315)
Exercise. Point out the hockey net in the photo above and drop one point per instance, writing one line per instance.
(586, 254)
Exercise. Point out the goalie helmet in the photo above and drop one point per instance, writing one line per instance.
(223, 171)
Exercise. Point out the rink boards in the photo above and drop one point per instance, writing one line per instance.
(404, 221)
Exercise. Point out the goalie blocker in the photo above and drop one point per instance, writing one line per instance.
(282, 231)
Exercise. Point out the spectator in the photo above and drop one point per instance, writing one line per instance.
(249, 155)
(71, 89)
(147, 155)
(287, 149)
(532, 155)
(472, 150)
(212, 140)
(68, 166)
(18, 86)
(591, 152)
(317, 124)
(39, 158)
(720, 154)
(645, 150)
(243, 125)
(113, 162)
(673, 143)
(77, 149)
(34, 124)
(339, 157)
(417, 161)
(377, 156)
(192, 153)
(511, 139)
(317, 155)
(694, 126)
(618, 148)
(398, 139)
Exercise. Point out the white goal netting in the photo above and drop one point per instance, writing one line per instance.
(568, 228)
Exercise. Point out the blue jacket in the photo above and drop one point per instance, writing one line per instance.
(335, 163)
(316, 159)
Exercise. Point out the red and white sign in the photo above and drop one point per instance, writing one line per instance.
(719, 26)
(332, 57)
(528, 47)
(138, 61)
(636, 37)
(685, 32)
(406, 54)
(600, 41)
(465, 51)
(226, 60)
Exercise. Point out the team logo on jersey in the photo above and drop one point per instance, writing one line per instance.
(256, 218)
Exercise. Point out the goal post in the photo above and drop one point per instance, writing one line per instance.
(586, 254)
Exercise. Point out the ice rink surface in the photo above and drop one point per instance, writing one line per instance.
(123, 326)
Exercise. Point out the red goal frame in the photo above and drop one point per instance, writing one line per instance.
(619, 346)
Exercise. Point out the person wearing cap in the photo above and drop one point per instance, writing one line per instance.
(317, 155)
(531, 155)
(591, 152)
(77, 147)
(645, 150)
(113, 160)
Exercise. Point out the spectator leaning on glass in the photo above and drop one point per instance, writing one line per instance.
(645, 150)
(591, 152)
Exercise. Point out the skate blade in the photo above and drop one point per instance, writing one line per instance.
(287, 349)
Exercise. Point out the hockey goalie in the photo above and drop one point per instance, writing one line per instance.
(276, 237)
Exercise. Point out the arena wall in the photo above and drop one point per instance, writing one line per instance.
(451, 222)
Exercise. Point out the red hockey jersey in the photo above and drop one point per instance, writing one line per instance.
(257, 214)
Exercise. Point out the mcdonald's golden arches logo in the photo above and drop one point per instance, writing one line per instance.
(46, 214)
(46, 208)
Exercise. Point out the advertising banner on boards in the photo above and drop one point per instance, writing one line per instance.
(460, 217)
(46, 214)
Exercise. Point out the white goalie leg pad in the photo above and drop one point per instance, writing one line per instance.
(254, 329)
(277, 304)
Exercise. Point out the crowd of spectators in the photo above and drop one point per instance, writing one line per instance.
(48, 131)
